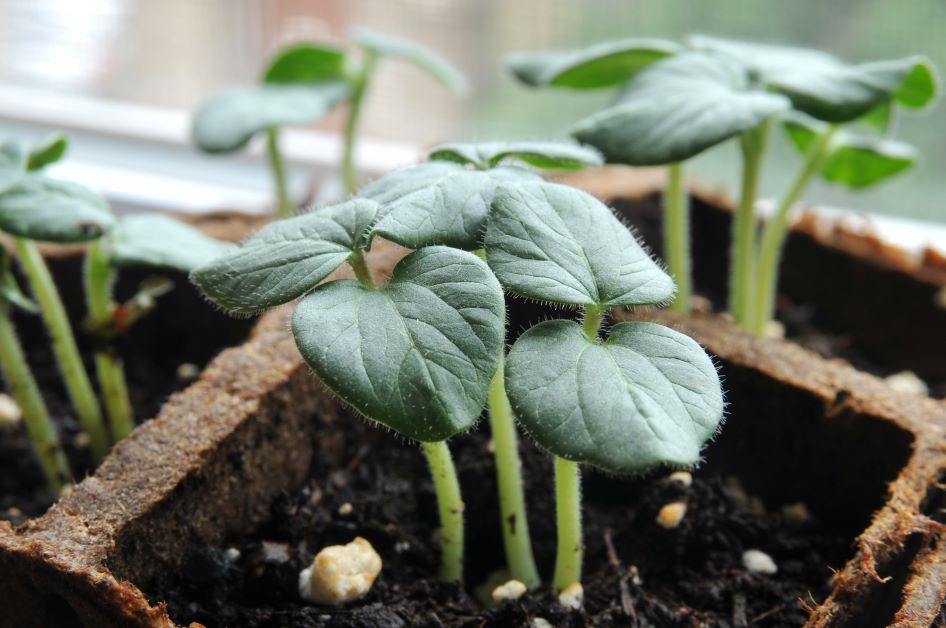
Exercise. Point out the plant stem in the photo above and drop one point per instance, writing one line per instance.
(742, 256)
(285, 208)
(358, 264)
(99, 281)
(776, 230)
(450, 505)
(568, 523)
(64, 346)
(677, 236)
(16, 372)
(360, 83)
(591, 322)
(512, 504)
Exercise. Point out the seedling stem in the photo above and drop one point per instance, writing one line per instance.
(568, 523)
(450, 505)
(284, 203)
(64, 345)
(677, 236)
(592, 323)
(360, 266)
(512, 506)
(349, 172)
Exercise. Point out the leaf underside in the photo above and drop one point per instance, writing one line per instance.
(555, 243)
(13, 160)
(423, 57)
(648, 396)
(416, 355)
(159, 241)
(676, 109)
(545, 155)
(286, 259)
(40, 208)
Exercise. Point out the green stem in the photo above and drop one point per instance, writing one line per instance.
(360, 87)
(450, 505)
(358, 264)
(677, 236)
(64, 346)
(99, 281)
(285, 208)
(568, 523)
(591, 322)
(512, 504)
(17, 374)
(742, 257)
(776, 230)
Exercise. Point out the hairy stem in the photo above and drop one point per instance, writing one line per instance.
(284, 206)
(591, 322)
(776, 229)
(359, 264)
(360, 82)
(64, 345)
(568, 523)
(450, 506)
(677, 236)
(512, 503)
(99, 281)
(741, 269)
(23, 386)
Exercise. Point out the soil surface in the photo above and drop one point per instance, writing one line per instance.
(636, 573)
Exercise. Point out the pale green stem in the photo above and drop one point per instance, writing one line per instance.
(591, 322)
(450, 506)
(64, 346)
(360, 87)
(512, 503)
(569, 551)
(284, 206)
(677, 236)
(358, 264)
(99, 281)
(23, 386)
(776, 229)
(741, 277)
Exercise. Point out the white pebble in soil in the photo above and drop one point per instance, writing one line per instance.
(671, 515)
(10, 412)
(757, 561)
(908, 382)
(683, 478)
(508, 591)
(540, 622)
(340, 573)
(572, 596)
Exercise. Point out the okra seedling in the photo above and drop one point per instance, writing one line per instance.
(644, 396)
(416, 355)
(446, 202)
(300, 86)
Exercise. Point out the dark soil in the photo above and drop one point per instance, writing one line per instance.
(688, 576)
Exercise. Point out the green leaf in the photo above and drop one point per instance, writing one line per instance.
(825, 87)
(159, 241)
(645, 397)
(676, 109)
(856, 161)
(438, 203)
(286, 259)
(601, 65)
(228, 121)
(416, 355)
(51, 151)
(305, 64)
(555, 243)
(546, 155)
(13, 159)
(10, 291)
(40, 208)
(880, 117)
(424, 58)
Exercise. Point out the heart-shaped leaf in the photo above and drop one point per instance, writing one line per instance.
(601, 65)
(678, 108)
(645, 397)
(286, 259)
(825, 87)
(40, 208)
(51, 151)
(438, 203)
(424, 58)
(546, 155)
(416, 355)
(554, 243)
(307, 63)
(229, 120)
(856, 161)
(159, 241)
(13, 159)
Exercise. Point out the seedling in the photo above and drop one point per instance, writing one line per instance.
(447, 202)
(416, 355)
(300, 86)
(645, 396)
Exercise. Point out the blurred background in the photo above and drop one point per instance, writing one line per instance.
(123, 76)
